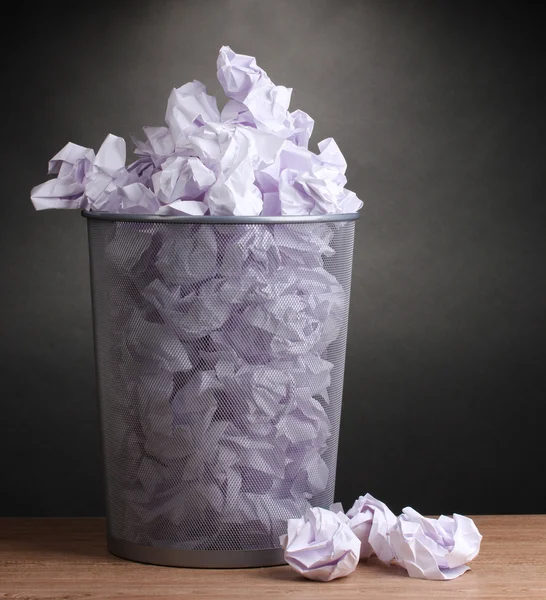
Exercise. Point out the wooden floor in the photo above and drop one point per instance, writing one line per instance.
(65, 559)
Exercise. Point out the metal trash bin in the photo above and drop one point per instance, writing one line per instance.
(220, 350)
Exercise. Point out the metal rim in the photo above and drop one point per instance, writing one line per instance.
(200, 559)
(104, 216)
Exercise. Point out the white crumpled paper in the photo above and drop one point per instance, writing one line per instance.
(371, 521)
(434, 548)
(427, 548)
(251, 159)
(321, 545)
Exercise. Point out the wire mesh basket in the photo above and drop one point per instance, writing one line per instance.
(220, 352)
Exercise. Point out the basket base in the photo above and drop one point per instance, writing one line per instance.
(200, 559)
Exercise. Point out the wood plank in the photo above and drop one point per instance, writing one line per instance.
(46, 559)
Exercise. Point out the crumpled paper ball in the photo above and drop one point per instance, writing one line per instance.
(371, 520)
(321, 545)
(434, 548)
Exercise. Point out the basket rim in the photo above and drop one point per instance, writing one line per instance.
(135, 218)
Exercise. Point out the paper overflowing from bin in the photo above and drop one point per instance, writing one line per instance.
(250, 159)
(219, 372)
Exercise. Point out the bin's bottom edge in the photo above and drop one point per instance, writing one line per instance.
(201, 559)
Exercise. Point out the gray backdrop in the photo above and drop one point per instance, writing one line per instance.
(439, 109)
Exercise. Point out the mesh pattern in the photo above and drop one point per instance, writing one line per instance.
(220, 352)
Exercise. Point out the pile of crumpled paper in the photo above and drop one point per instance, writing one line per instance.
(252, 158)
(326, 544)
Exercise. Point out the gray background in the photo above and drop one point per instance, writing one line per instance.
(439, 109)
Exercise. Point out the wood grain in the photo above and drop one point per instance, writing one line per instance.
(66, 559)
